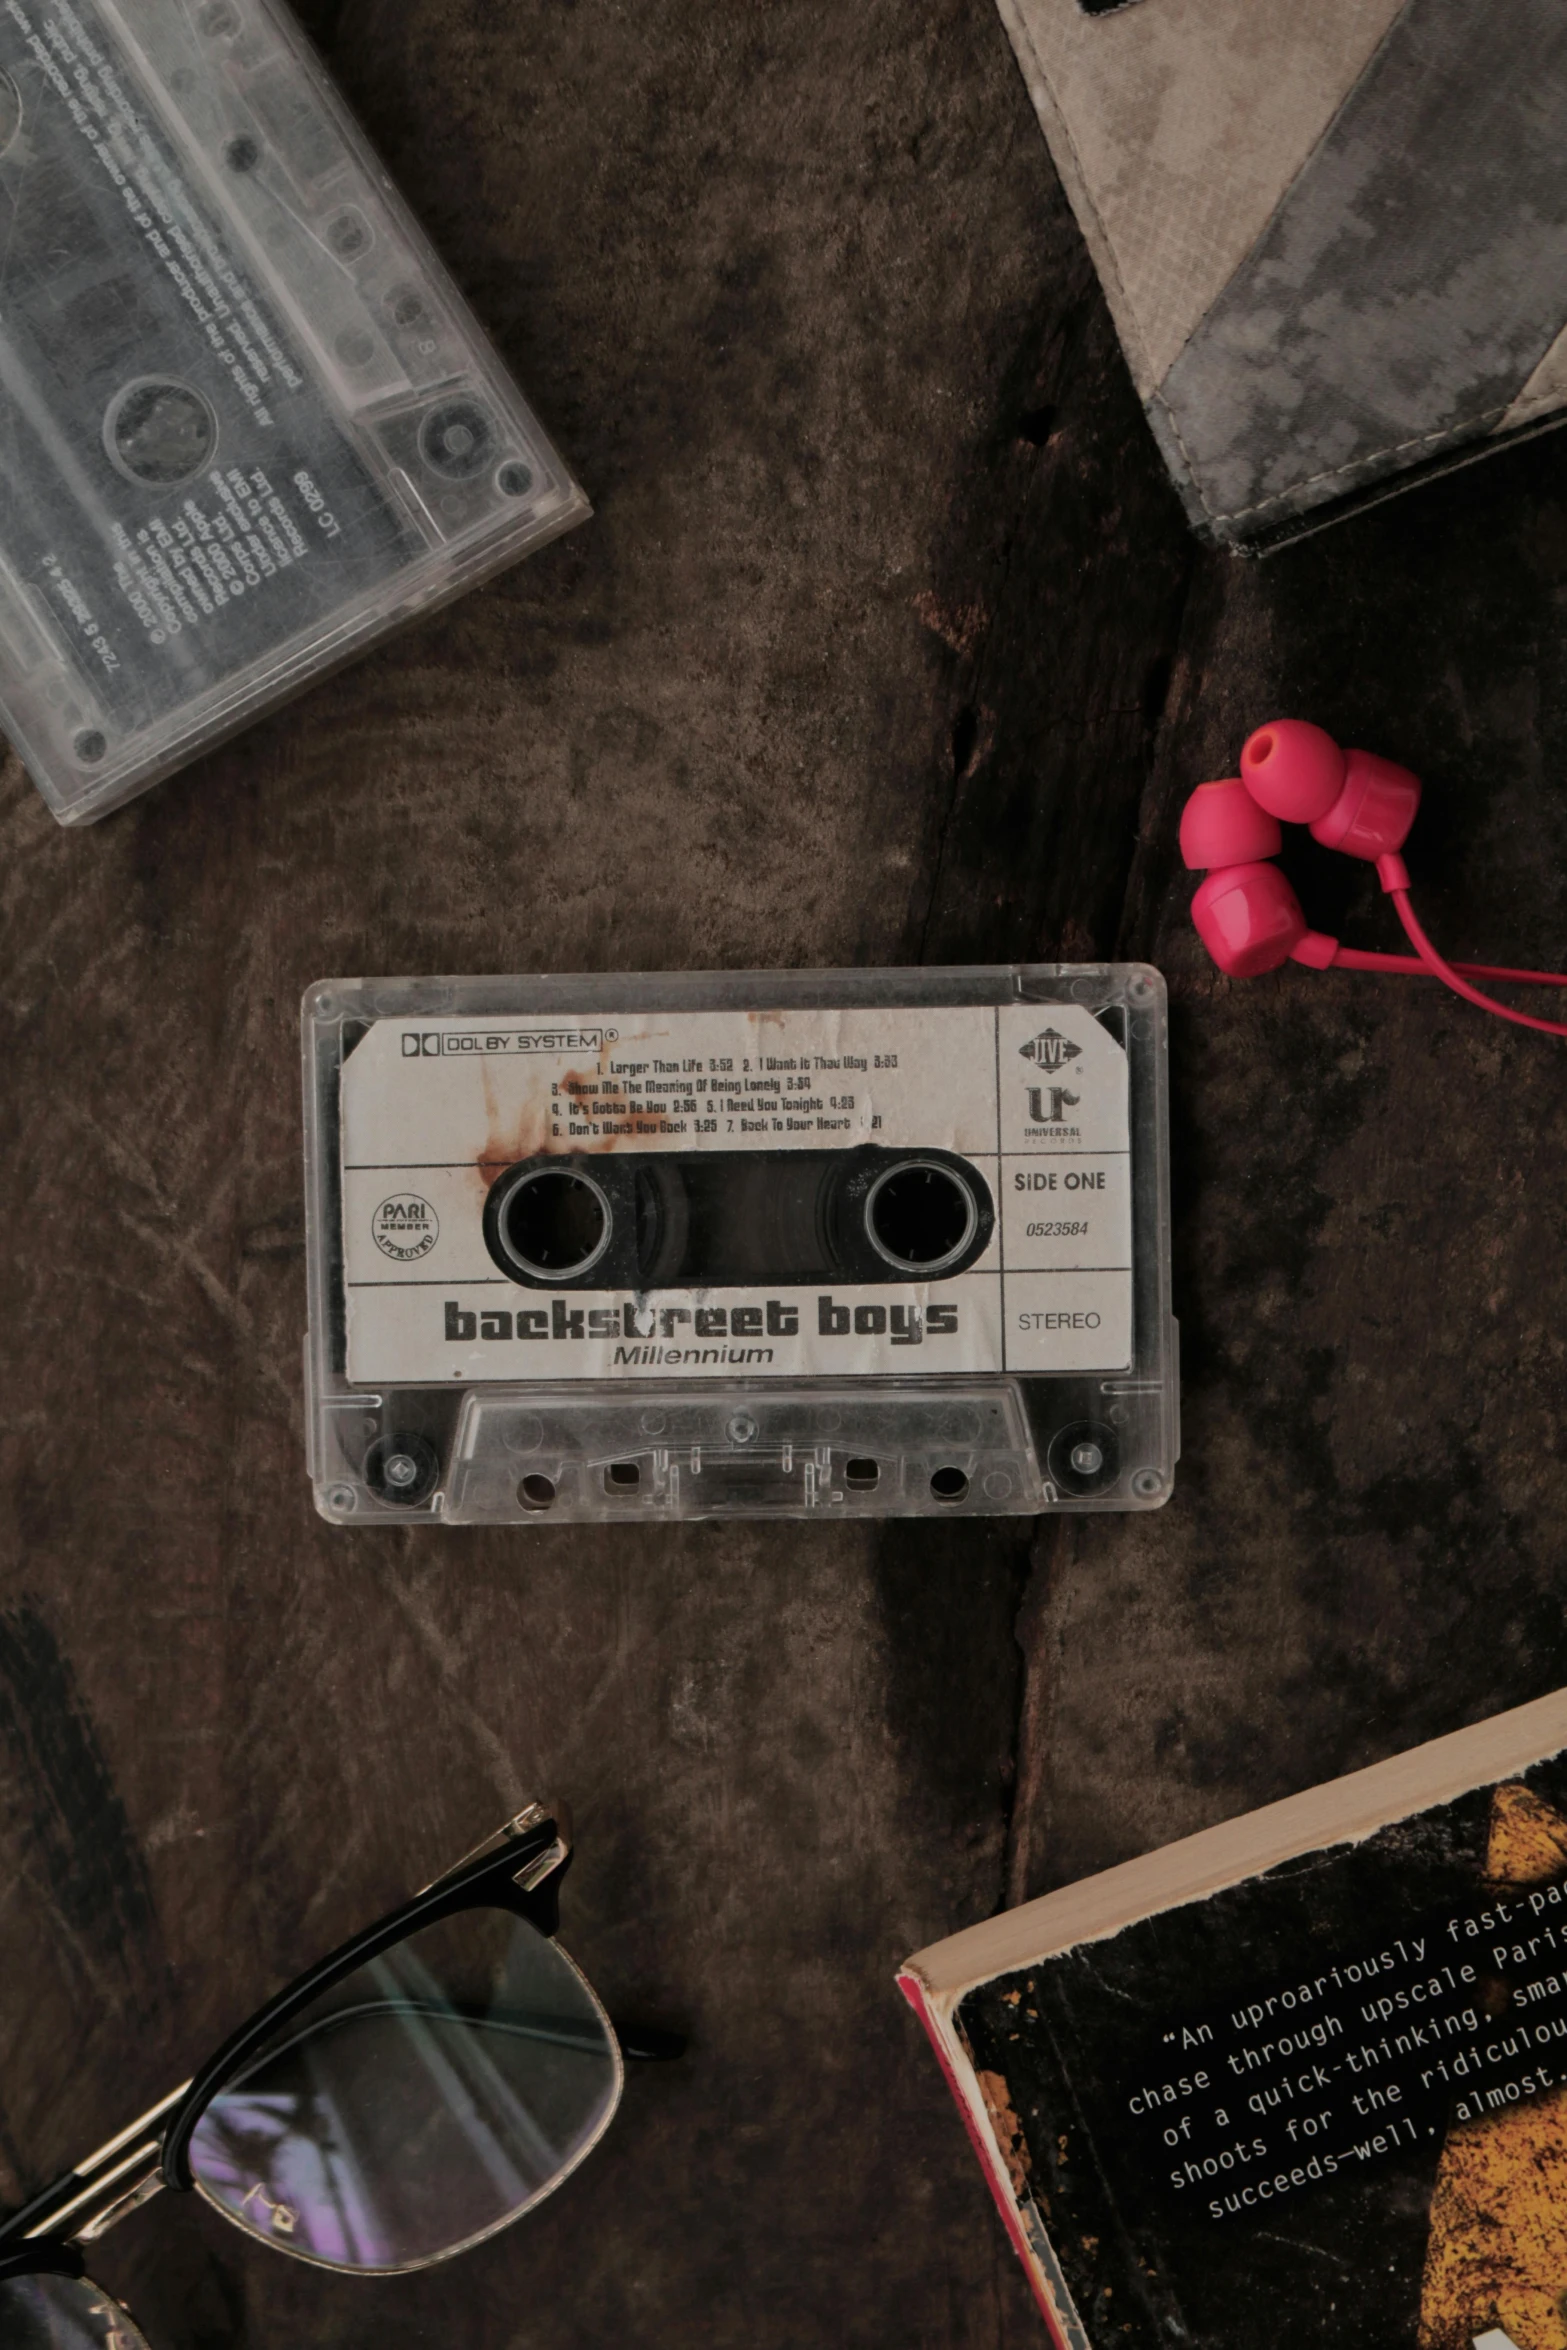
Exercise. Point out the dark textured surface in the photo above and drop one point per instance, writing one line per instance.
(887, 642)
(1367, 1545)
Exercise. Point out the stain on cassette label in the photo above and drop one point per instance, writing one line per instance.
(788, 1194)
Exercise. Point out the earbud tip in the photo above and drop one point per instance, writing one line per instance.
(1293, 769)
(1222, 824)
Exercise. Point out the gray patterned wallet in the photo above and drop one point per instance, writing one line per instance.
(1333, 233)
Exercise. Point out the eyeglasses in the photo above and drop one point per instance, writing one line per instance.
(413, 2094)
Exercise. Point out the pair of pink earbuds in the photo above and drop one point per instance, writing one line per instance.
(1246, 913)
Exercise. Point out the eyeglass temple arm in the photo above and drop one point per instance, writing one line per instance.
(89, 2200)
(531, 1816)
(648, 2043)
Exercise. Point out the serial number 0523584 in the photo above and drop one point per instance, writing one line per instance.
(1056, 1231)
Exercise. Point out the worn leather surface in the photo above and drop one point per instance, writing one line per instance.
(1406, 288)
(1331, 237)
(887, 644)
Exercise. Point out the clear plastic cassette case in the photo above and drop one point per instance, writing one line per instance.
(247, 423)
(769, 1244)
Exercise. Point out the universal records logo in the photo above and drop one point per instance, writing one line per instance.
(405, 1227)
(1053, 1051)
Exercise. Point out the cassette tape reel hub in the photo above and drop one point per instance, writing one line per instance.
(776, 1244)
(922, 1216)
(246, 422)
(548, 1223)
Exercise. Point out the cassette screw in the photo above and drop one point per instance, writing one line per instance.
(342, 1497)
(1147, 1484)
(742, 1428)
(401, 1471)
(1087, 1459)
(242, 155)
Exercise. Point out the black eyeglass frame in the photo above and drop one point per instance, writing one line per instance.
(518, 1870)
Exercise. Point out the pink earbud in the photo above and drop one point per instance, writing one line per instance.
(1249, 919)
(1246, 913)
(1292, 769)
(1372, 815)
(1352, 800)
(1223, 825)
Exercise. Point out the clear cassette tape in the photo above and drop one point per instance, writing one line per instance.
(247, 423)
(771, 1244)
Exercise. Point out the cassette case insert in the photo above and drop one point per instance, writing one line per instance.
(247, 422)
(771, 1244)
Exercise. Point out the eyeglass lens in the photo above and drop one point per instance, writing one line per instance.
(62, 2313)
(418, 2105)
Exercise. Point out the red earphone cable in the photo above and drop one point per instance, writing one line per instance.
(1445, 972)
(1366, 959)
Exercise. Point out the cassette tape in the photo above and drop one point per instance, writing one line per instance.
(247, 422)
(775, 1244)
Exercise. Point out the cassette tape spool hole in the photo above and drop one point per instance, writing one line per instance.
(160, 431)
(554, 1223)
(921, 1216)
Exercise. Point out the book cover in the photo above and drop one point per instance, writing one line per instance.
(1331, 236)
(1316, 2091)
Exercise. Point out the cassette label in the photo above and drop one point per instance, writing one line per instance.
(975, 1156)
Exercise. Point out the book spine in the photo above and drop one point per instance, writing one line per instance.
(984, 2146)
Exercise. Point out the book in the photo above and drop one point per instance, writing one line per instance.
(1298, 2080)
(1331, 236)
